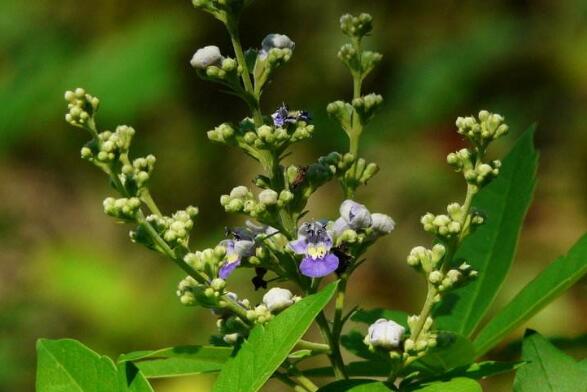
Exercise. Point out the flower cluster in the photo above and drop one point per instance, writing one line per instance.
(353, 116)
(81, 107)
(256, 141)
(442, 273)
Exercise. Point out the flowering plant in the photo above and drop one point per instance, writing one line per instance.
(439, 348)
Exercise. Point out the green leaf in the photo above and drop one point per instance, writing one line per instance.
(475, 371)
(490, 250)
(460, 384)
(354, 369)
(131, 379)
(67, 365)
(267, 347)
(179, 361)
(372, 315)
(452, 351)
(548, 369)
(353, 341)
(355, 386)
(549, 284)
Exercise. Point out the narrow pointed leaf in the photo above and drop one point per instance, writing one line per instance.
(267, 347)
(548, 369)
(491, 249)
(546, 287)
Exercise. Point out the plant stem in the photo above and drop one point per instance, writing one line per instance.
(339, 308)
(313, 346)
(252, 100)
(289, 382)
(334, 356)
(306, 383)
(149, 202)
(450, 253)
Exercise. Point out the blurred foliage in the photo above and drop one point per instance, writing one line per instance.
(67, 271)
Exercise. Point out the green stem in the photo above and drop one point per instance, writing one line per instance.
(335, 355)
(450, 253)
(313, 346)
(289, 382)
(149, 202)
(339, 308)
(306, 383)
(253, 100)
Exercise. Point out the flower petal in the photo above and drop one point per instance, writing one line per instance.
(317, 268)
(227, 269)
(299, 246)
(339, 227)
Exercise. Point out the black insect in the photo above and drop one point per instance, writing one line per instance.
(300, 178)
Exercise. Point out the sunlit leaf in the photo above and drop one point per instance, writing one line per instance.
(267, 347)
(548, 285)
(548, 369)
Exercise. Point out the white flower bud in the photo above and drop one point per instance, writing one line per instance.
(239, 192)
(206, 56)
(231, 338)
(268, 197)
(280, 41)
(384, 333)
(277, 299)
(356, 215)
(382, 223)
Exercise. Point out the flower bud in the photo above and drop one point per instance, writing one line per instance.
(206, 56)
(268, 197)
(278, 299)
(279, 41)
(356, 215)
(382, 223)
(239, 192)
(386, 334)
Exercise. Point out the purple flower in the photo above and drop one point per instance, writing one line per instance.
(315, 243)
(283, 116)
(235, 251)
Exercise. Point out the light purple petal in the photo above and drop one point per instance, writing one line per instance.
(339, 227)
(319, 267)
(299, 246)
(229, 245)
(227, 269)
(244, 248)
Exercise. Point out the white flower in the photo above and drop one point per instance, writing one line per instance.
(279, 41)
(268, 197)
(277, 299)
(384, 333)
(382, 223)
(206, 56)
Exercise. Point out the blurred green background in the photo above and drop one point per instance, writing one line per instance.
(66, 270)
